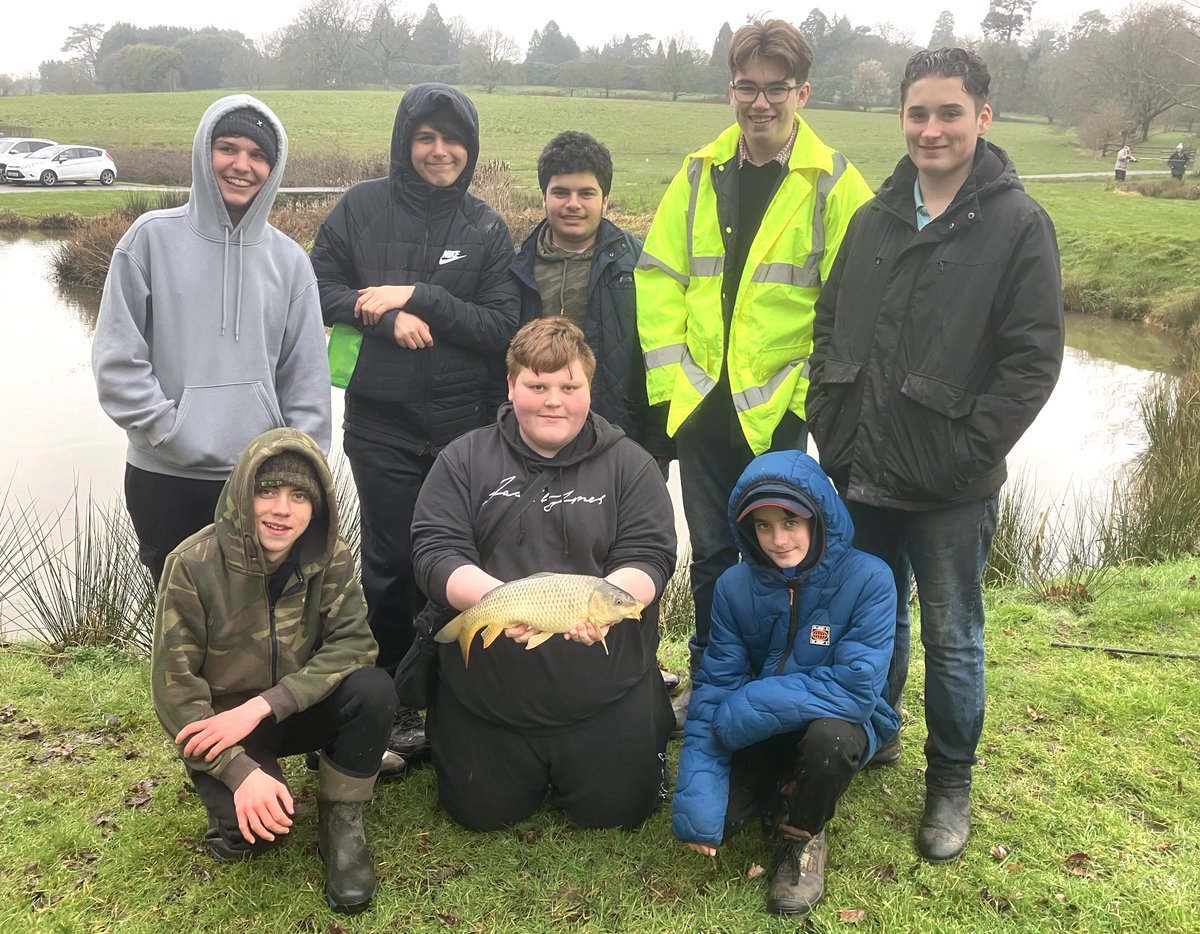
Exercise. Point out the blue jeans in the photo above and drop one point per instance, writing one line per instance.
(713, 453)
(945, 550)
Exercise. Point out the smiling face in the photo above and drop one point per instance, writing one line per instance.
(281, 516)
(241, 168)
(783, 536)
(941, 123)
(766, 126)
(574, 208)
(438, 157)
(550, 407)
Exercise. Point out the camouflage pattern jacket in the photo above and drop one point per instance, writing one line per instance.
(217, 640)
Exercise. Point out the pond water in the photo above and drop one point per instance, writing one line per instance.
(56, 438)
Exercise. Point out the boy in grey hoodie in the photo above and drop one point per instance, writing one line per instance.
(210, 330)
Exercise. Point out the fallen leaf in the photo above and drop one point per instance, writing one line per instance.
(448, 920)
(885, 873)
(1164, 846)
(530, 836)
(999, 851)
(425, 840)
(1076, 859)
(1035, 714)
(113, 720)
(1007, 630)
(754, 871)
(1075, 865)
(998, 903)
(335, 928)
(31, 733)
(8, 713)
(1184, 737)
(885, 789)
(852, 915)
(1060, 897)
(1013, 868)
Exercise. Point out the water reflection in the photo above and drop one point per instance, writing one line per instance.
(56, 436)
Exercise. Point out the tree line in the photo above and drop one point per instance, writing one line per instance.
(1109, 77)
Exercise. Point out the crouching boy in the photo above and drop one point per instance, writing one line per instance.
(261, 650)
(789, 702)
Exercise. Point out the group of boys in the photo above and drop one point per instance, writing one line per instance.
(915, 333)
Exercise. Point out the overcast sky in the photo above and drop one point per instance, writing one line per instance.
(38, 33)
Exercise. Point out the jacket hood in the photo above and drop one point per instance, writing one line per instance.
(802, 477)
(596, 436)
(234, 519)
(206, 208)
(419, 103)
(991, 172)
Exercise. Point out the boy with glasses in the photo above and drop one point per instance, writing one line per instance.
(732, 266)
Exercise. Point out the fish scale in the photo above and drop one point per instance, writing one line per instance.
(549, 603)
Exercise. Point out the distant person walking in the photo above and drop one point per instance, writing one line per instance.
(1178, 161)
(1124, 157)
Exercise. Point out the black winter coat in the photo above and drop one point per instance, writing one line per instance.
(619, 386)
(934, 350)
(401, 230)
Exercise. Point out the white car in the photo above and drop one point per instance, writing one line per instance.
(54, 164)
(13, 148)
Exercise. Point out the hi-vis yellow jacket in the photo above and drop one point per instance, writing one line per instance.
(680, 278)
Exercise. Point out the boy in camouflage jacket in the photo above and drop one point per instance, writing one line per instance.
(261, 650)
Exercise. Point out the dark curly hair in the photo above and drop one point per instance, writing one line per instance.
(572, 151)
(949, 63)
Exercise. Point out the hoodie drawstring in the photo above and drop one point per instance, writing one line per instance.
(224, 275)
(237, 312)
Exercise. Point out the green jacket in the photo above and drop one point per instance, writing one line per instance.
(218, 642)
(680, 282)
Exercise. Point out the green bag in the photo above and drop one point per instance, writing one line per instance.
(344, 343)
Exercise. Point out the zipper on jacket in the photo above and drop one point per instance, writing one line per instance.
(274, 639)
(793, 625)
(426, 274)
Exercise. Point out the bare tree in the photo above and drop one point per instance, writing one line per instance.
(869, 85)
(489, 59)
(678, 70)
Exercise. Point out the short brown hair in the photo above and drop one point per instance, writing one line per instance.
(776, 41)
(549, 344)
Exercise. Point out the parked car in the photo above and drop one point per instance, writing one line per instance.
(13, 148)
(54, 164)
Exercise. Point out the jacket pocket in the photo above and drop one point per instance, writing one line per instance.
(832, 427)
(925, 444)
(213, 424)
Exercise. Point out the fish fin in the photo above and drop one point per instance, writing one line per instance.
(605, 644)
(491, 632)
(545, 574)
(537, 639)
(464, 641)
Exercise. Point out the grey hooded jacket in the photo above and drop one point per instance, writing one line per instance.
(210, 334)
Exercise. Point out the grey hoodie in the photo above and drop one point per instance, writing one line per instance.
(210, 334)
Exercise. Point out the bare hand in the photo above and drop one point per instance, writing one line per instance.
(411, 332)
(376, 300)
(588, 632)
(521, 633)
(703, 849)
(213, 735)
(264, 806)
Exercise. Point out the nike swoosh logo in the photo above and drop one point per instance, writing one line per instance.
(450, 256)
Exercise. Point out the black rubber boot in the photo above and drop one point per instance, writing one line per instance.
(945, 825)
(797, 872)
(350, 881)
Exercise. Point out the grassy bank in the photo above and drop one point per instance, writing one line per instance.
(1087, 813)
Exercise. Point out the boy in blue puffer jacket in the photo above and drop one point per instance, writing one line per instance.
(790, 700)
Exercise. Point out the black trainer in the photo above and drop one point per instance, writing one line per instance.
(407, 737)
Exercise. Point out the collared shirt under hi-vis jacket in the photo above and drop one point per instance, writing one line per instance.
(690, 327)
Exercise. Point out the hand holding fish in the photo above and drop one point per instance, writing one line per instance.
(586, 633)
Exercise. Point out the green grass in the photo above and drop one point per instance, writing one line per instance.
(648, 138)
(1087, 812)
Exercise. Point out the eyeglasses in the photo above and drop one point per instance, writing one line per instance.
(774, 93)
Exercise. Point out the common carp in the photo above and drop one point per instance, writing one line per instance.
(549, 603)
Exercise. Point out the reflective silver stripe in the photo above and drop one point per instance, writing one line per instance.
(653, 262)
(825, 185)
(747, 399)
(695, 174)
(806, 276)
(664, 356)
(707, 265)
(679, 354)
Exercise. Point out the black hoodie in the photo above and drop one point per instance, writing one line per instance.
(600, 505)
(456, 250)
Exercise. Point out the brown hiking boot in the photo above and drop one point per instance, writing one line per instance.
(797, 872)
(887, 754)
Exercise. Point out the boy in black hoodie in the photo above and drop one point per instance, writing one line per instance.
(550, 487)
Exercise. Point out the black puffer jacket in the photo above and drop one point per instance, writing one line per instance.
(619, 386)
(401, 230)
(935, 350)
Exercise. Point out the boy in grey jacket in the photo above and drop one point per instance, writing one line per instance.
(210, 330)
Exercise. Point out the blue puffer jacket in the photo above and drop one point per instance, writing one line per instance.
(767, 668)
